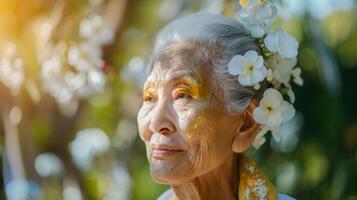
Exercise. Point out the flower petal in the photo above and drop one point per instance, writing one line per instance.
(233, 66)
(276, 134)
(237, 65)
(299, 81)
(245, 80)
(274, 96)
(251, 55)
(291, 95)
(258, 75)
(258, 142)
(282, 68)
(275, 118)
(296, 73)
(259, 62)
(287, 44)
(256, 31)
(259, 115)
(287, 111)
(270, 42)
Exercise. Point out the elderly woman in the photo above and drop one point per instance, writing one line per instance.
(197, 119)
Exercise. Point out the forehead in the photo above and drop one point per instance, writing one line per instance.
(179, 60)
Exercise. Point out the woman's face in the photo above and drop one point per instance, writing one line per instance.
(183, 124)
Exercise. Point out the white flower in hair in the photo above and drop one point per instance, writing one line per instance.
(282, 43)
(281, 67)
(275, 71)
(273, 110)
(256, 16)
(249, 68)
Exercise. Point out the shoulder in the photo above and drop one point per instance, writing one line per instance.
(167, 195)
(284, 197)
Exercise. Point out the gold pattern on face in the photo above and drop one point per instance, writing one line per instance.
(194, 126)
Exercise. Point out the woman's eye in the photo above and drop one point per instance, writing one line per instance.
(182, 95)
(148, 98)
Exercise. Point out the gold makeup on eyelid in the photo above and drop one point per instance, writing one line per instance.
(148, 91)
(187, 84)
(194, 89)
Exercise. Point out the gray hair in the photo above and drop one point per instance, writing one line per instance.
(226, 38)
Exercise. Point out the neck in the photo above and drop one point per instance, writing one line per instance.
(220, 183)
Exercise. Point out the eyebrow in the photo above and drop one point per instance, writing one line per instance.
(182, 74)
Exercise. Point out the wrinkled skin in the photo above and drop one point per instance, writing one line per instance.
(187, 133)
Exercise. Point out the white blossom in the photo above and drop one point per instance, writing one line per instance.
(296, 74)
(85, 57)
(260, 138)
(75, 80)
(96, 31)
(97, 80)
(290, 93)
(270, 75)
(256, 86)
(256, 16)
(12, 74)
(51, 67)
(60, 91)
(53, 81)
(273, 110)
(281, 67)
(249, 68)
(282, 43)
(65, 85)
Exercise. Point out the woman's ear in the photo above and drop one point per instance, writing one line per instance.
(245, 134)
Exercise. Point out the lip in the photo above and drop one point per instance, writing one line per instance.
(160, 151)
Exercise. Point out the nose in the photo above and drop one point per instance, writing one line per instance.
(161, 120)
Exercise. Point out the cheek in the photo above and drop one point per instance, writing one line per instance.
(192, 125)
(143, 119)
(201, 131)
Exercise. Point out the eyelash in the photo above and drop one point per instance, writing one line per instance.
(181, 95)
(147, 98)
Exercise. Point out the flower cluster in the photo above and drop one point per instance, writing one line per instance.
(271, 70)
(12, 73)
(84, 75)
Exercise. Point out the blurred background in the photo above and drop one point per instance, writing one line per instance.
(71, 73)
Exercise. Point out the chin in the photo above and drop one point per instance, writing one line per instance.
(167, 171)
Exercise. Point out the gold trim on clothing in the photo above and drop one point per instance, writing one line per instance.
(253, 184)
